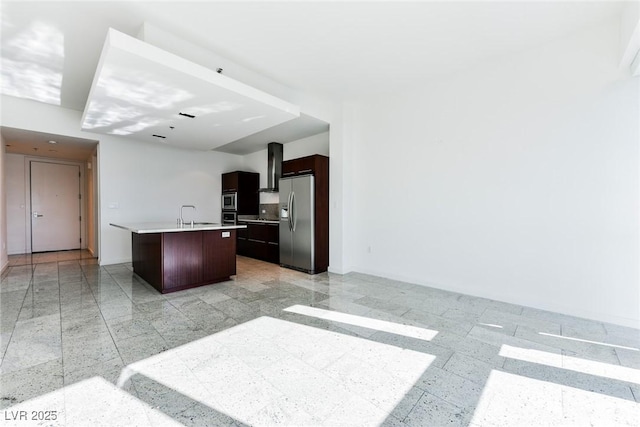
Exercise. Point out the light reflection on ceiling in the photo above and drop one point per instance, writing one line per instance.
(152, 95)
(216, 107)
(112, 113)
(32, 63)
(140, 125)
(140, 88)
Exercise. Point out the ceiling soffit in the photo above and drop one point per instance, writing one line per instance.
(150, 94)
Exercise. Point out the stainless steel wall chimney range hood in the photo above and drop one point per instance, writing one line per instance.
(274, 167)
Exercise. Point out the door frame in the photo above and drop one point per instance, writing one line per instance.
(27, 180)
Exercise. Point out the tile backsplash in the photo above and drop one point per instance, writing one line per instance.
(269, 211)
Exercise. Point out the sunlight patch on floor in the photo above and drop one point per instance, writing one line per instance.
(365, 322)
(91, 402)
(589, 341)
(269, 371)
(492, 325)
(576, 364)
(509, 399)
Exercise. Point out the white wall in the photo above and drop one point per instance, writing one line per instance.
(316, 144)
(516, 180)
(4, 257)
(16, 204)
(629, 33)
(150, 182)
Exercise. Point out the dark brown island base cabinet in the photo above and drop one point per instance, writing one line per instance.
(173, 261)
(259, 241)
(246, 184)
(318, 166)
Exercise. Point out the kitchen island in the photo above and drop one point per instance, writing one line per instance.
(171, 257)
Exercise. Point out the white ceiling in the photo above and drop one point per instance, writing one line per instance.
(18, 141)
(344, 50)
(289, 131)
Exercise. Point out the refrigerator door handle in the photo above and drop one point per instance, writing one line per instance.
(294, 214)
(289, 201)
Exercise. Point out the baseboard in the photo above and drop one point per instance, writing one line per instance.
(114, 261)
(511, 299)
(4, 267)
(340, 271)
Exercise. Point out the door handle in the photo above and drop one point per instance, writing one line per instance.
(289, 202)
(294, 214)
(37, 215)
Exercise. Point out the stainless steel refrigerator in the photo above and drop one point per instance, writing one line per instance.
(297, 223)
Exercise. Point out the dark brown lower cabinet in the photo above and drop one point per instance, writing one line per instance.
(259, 241)
(242, 244)
(219, 256)
(173, 261)
(272, 246)
(272, 253)
(182, 259)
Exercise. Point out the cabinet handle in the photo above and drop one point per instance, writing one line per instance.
(242, 238)
(288, 173)
(306, 170)
(273, 243)
(257, 241)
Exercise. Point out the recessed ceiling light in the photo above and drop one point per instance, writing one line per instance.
(53, 142)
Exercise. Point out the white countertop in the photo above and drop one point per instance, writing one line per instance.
(172, 227)
(260, 221)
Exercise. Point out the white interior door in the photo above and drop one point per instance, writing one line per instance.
(55, 206)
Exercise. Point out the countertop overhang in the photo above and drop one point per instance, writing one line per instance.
(169, 227)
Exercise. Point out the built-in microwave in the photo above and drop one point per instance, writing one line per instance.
(229, 218)
(229, 201)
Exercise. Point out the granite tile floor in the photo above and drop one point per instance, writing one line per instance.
(88, 345)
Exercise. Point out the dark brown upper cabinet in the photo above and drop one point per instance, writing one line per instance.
(301, 166)
(246, 185)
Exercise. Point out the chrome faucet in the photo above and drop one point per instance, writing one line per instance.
(180, 220)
